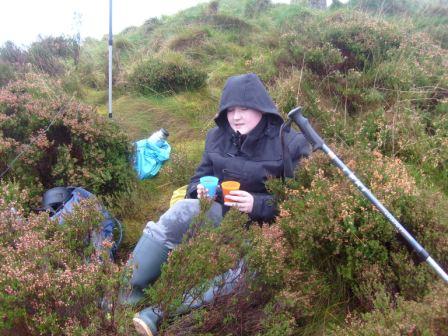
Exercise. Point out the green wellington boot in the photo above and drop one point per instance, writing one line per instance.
(146, 321)
(147, 259)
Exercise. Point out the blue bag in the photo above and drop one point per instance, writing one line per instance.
(62, 200)
(149, 157)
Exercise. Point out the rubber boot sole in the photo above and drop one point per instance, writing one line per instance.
(141, 327)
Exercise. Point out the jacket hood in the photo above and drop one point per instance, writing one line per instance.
(246, 91)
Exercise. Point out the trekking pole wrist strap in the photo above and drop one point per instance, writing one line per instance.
(308, 131)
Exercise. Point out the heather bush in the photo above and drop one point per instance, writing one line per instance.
(228, 23)
(286, 91)
(328, 250)
(213, 7)
(389, 93)
(72, 85)
(353, 93)
(267, 256)
(440, 34)
(413, 73)
(415, 137)
(189, 38)
(207, 251)
(433, 19)
(333, 229)
(271, 297)
(296, 88)
(62, 141)
(88, 72)
(151, 24)
(254, 307)
(397, 316)
(387, 7)
(253, 8)
(50, 54)
(6, 73)
(305, 49)
(293, 295)
(59, 46)
(11, 202)
(12, 54)
(340, 41)
(417, 70)
(376, 83)
(45, 61)
(51, 281)
(166, 74)
(123, 44)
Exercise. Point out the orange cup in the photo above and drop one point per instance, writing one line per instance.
(228, 186)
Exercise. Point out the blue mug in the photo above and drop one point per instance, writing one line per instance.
(210, 183)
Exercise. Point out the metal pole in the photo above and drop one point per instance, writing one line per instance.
(317, 143)
(110, 58)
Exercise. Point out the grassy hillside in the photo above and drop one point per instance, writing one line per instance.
(372, 78)
(355, 69)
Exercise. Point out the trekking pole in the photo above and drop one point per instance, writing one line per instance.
(316, 141)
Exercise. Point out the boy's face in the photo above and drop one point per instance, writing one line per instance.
(243, 119)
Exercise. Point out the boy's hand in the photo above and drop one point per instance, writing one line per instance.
(201, 191)
(240, 199)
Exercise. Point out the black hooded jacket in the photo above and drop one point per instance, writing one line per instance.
(258, 156)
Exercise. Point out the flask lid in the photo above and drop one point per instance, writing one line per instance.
(165, 132)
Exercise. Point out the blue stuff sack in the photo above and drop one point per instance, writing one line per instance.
(149, 157)
(70, 197)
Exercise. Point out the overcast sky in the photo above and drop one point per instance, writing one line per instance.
(21, 21)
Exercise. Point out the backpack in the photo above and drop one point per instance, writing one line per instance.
(62, 200)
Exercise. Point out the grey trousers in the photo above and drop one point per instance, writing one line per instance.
(152, 250)
(175, 222)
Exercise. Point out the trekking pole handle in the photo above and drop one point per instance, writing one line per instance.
(308, 131)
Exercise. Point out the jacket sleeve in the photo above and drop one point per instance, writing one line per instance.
(265, 207)
(204, 168)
